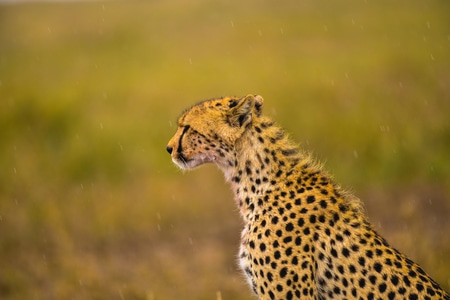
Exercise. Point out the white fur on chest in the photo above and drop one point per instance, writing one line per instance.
(244, 258)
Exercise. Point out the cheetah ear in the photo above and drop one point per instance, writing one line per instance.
(258, 104)
(241, 114)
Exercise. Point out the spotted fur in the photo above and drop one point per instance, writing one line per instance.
(303, 236)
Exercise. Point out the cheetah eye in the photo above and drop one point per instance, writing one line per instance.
(185, 129)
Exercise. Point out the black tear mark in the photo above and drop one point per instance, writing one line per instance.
(185, 129)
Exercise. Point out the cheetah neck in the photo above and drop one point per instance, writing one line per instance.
(264, 157)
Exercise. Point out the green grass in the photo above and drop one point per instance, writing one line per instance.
(91, 206)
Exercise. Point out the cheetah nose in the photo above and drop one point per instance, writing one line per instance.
(169, 149)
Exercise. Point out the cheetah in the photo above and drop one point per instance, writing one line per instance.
(303, 236)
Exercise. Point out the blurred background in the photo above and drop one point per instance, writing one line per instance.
(91, 206)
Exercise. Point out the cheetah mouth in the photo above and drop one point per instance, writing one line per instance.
(186, 163)
(190, 163)
(183, 161)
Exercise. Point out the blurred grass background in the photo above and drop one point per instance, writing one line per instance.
(91, 206)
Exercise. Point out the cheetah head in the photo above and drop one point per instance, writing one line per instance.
(208, 131)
